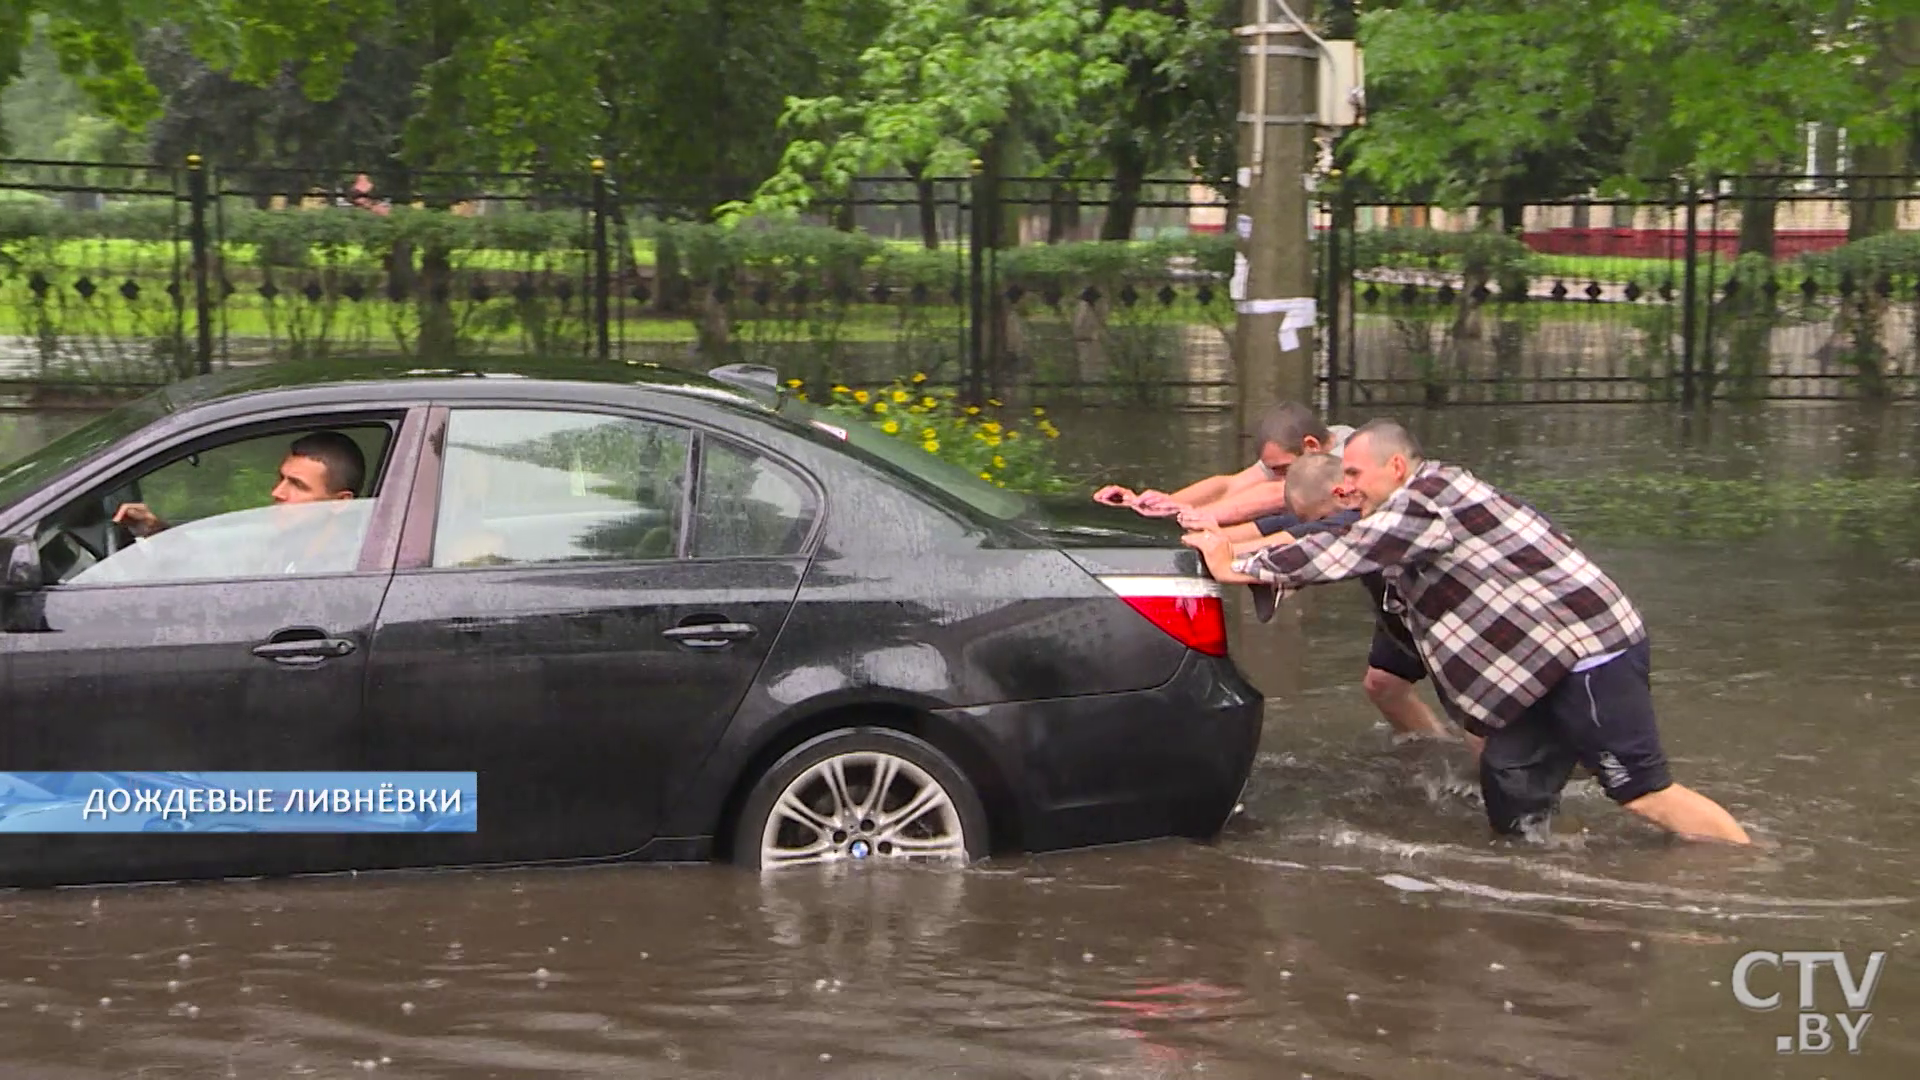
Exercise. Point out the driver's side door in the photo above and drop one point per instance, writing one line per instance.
(214, 667)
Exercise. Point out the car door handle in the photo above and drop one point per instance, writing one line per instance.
(480, 624)
(303, 650)
(710, 635)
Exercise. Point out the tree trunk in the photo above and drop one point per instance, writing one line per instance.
(925, 202)
(1873, 195)
(437, 329)
(1060, 196)
(1129, 176)
(1759, 199)
(990, 214)
(667, 298)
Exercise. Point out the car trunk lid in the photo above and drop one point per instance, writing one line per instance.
(1142, 561)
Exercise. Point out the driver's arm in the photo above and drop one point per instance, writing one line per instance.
(139, 520)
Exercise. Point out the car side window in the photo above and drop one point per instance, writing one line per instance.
(292, 502)
(748, 505)
(532, 486)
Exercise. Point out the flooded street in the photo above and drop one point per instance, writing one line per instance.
(1354, 922)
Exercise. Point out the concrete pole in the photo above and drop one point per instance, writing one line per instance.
(1278, 91)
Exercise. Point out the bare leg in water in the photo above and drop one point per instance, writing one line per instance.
(1399, 701)
(1690, 815)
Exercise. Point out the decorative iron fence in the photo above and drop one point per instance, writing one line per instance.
(1748, 288)
(1745, 289)
(133, 275)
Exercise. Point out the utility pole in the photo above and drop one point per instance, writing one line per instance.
(1273, 271)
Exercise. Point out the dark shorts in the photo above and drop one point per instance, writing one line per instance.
(1391, 655)
(1272, 523)
(1285, 522)
(1392, 650)
(1601, 718)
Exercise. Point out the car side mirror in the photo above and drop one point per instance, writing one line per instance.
(20, 570)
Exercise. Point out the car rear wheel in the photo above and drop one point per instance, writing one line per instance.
(861, 796)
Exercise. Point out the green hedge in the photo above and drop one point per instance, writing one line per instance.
(706, 253)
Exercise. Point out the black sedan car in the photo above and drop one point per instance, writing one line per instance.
(660, 616)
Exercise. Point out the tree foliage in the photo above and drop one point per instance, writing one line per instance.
(945, 80)
(1469, 95)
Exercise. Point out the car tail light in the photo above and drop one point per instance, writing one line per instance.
(1187, 608)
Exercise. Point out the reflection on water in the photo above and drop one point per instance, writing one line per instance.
(1356, 922)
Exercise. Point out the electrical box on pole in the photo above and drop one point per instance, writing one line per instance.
(1342, 81)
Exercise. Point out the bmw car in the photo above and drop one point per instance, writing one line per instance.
(660, 615)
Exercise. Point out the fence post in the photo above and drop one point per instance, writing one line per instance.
(601, 280)
(202, 254)
(1688, 296)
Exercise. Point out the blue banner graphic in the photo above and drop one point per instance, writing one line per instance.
(213, 802)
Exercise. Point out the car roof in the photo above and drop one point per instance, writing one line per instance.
(394, 378)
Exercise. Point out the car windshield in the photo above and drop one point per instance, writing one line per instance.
(20, 477)
(904, 457)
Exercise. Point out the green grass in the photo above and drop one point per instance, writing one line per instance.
(1650, 273)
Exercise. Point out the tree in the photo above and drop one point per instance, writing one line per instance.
(950, 84)
(1487, 100)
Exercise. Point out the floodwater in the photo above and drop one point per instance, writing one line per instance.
(1355, 922)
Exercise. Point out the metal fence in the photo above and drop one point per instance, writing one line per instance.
(1748, 288)
(125, 275)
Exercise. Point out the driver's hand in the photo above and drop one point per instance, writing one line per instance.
(138, 520)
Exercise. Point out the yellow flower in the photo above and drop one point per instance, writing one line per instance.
(839, 389)
(993, 440)
(931, 446)
(1012, 435)
(929, 434)
(919, 378)
(999, 462)
(928, 402)
(880, 406)
(901, 397)
(973, 410)
(1039, 412)
(986, 476)
(891, 427)
(995, 402)
(991, 428)
(1052, 434)
(795, 383)
(860, 396)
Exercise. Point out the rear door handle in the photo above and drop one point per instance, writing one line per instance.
(710, 635)
(303, 650)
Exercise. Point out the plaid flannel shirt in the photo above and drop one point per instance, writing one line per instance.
(1501, 602)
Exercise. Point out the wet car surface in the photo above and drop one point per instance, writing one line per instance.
(659, 616)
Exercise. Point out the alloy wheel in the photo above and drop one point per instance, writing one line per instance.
(862, 806)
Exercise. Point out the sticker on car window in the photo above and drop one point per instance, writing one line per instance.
(836, 432)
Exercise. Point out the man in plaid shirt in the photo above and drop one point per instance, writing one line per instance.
(1531, 645)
